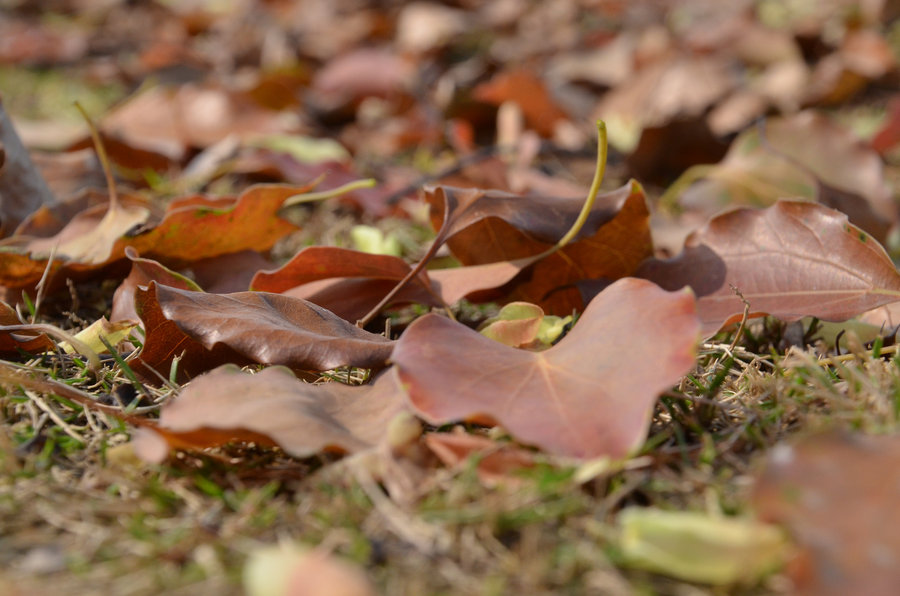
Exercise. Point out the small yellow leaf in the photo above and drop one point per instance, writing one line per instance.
(90, 335)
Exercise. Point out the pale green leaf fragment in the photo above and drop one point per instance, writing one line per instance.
(552, 327)
(373, 241)
(308, 150)
(701, 548)
(516, 325)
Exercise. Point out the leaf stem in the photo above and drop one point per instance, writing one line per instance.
(669, 199)
(102, 156)
(599, 173)
(310, 197)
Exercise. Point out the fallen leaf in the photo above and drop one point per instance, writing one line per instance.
(192, 228)
(366, 72)
(143, 271)
(790, 260)
(838, 495)
(99, 331)
(95, 243)
(803, 156)
(487, 227)
(249, 327)
(12, 342)
(590, 395)
(199, 227)
(527, 90)
(478, 283)
(302, 418)
(169, 121)
(347, 282)
(316, 263)
(516, 325)
(230, 272)
(700, 548)
(291, 570)
(661, 92)
(372, 240)
(496, 462)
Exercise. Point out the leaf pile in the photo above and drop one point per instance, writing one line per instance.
(251, 322)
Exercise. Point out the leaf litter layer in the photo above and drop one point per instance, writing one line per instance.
(515, 504)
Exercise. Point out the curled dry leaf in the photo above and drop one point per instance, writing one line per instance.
(484, 227)
(838, 496)
(790, 260)
(143, 271)
(303, 419)
(13, 342)
(590, 395)
(249, 327)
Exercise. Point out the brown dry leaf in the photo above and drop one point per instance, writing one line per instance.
(346, 282)
(192, 228)
(23, 43)
(804, 156)
(301, 418)
(681, 86)
(230, 272)
(490, 226)
(478, 283)
(790, 260)
(165, 344)
(169, 121)
(143, 271)
(590, 395)
(12, 342)
(864, 55)
(361, 73)
(497, 462)
(90, 237)
(528, 91)
(250, 327)
(838, 496)
(316, 263)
